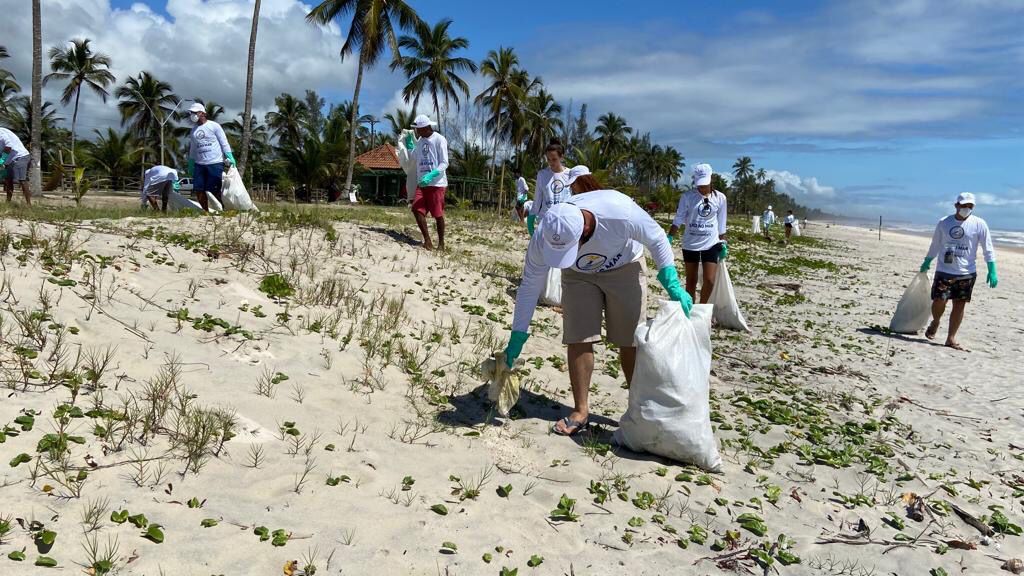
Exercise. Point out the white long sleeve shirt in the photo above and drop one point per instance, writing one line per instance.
(622, 231)
(207, 144)
(704, 218)
(10, 140)
(156, 175)
(768, 218)
(955, 244)
(552, 188)
(432, 154)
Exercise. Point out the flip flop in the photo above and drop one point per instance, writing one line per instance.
(572, 427)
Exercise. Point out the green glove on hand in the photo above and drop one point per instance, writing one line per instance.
(926, 264)
(410, 142)
(515, 347)
(669, 278)
(176, 186)
(725, 251)
(671, 239)
(531, 223)
(429, 177)
(230, 159)
(993, 279)
(3, 158)
(192, 168)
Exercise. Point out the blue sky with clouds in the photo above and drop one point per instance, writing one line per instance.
(862, 107)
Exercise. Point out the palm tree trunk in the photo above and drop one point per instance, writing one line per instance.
(37, 100)
(247, 115)
(74, 122)
(352, 127)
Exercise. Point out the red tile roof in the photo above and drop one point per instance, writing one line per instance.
(380, 158)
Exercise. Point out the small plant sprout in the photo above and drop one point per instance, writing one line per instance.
(566, 510)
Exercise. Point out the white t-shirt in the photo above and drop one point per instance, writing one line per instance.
(527, 206)
(208, 144)
(768, 218)
(10, 140)
(432, 154)
(522, 188)
(704, 218)
(622, 231)
(552, 188)
(955, 244)
(154, 176)
(789, 219)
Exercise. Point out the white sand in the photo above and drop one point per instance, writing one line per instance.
(357, 521)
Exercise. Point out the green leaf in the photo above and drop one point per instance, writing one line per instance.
(450, 546)
(440, 509)
(209, 522)
(20, 459)
(753, 523)
(535, 561)
(194, 503)
(154, 534)
(786, 558)
(636, 522)
(138, 520)
(119, 517)
(280, 538)
(505, 491)
(487, 557)
(262, 532)
(17, 555)
(47, 537)
(938, 572)
(46, 562)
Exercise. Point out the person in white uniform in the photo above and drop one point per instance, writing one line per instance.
(767, 221)
(157, 184)
(955, 243)
(15, 159)
(702, 211)
(522, 195)
(208, 153)
(552, 184)
(597, 238)
(789, 221)
(431, 153)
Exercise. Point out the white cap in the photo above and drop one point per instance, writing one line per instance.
(197, 107)
(561, 228)
(575, 172)
(769, 206)
(965, 198)
(422, 121)
(702, 174)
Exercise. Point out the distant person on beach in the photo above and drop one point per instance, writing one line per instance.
(208, 152)
(431, 153)
(702, 211)
(767, 220)
(955, 243)
(789, 221)
(552, 184)
(157, 184)
(15, 159)
(597, 240)
(522, 195)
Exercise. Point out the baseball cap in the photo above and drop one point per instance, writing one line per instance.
(560, 230)
(965, 198)
(197, 107)
(702, 174)
(422, 121)
(575, 172)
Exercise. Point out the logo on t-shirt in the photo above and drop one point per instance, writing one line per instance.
(201, 135)
(589, 262)
(956, 232)
(704, 209)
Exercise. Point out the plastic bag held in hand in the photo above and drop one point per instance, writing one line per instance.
(503, 383)
(552, 295)
(233, 191)
(669, 413)
(915, 307)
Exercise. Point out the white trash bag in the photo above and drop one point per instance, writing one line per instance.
(176, 202)
(727, 312)
(213, 203)
(915, 307)
(233, 192)
(407, 160)
(756, 225)
(552, 295)
(796, 228)
(669, 412)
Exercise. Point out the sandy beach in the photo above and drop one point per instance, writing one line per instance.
(302, 386)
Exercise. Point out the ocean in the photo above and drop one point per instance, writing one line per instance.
(1008, 238)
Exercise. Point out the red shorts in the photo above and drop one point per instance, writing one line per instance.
(429, 200)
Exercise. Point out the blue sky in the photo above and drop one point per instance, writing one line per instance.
(862, 107)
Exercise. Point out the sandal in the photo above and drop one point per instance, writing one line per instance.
(571, 427)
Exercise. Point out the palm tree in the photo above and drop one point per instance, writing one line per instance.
(543, 120)
(613, 133)
(503, 94)
(371, 28)
(19, 119)
(761, 175)
(433, 67)
(144, 103)
(37, 99)
(400, 120)
(114, 154)
(743, 168)
(288, 122)
(469, 161)
(247, 112)
(80, 66)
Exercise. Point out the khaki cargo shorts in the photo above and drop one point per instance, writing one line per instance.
(618, 295)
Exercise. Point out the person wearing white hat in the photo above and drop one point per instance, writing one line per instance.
(552, 183)
(431, 154)
(955, 242)
(14, 161)
(208, 152)
(703, 213)
(767, 221)
(597, 239)
(522, 195)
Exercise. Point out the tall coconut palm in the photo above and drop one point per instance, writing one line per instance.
(503, 94)
(400, 120)
(470, 161)
(37, 99)
(113, 154)
(613, 133)
(144, 103)
(431, 66)
(79, 66)
(743, 168)
(247, 112)
(370, 30)
(288, 122)
(543, 119)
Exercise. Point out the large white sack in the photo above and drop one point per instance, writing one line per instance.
(796, 228)
(552, 295)
(756, 225)
(407, 160)
(212, 203)
(233, 192)
(669, 412)
(727, 312)
(176, 201)
(915, 307)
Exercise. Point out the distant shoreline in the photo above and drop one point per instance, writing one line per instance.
(998, 236)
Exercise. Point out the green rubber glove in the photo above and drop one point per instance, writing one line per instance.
(671, 239)
(3, 158)
(429, 177)
(725, 250)
(192, 168)
(230, 159)
(176, 186)
(669, 278)
(926, 264)
(410, 142)
(531, 223)
(993, 279)
(515, 347)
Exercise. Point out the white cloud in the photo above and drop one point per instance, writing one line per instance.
(803, 189)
